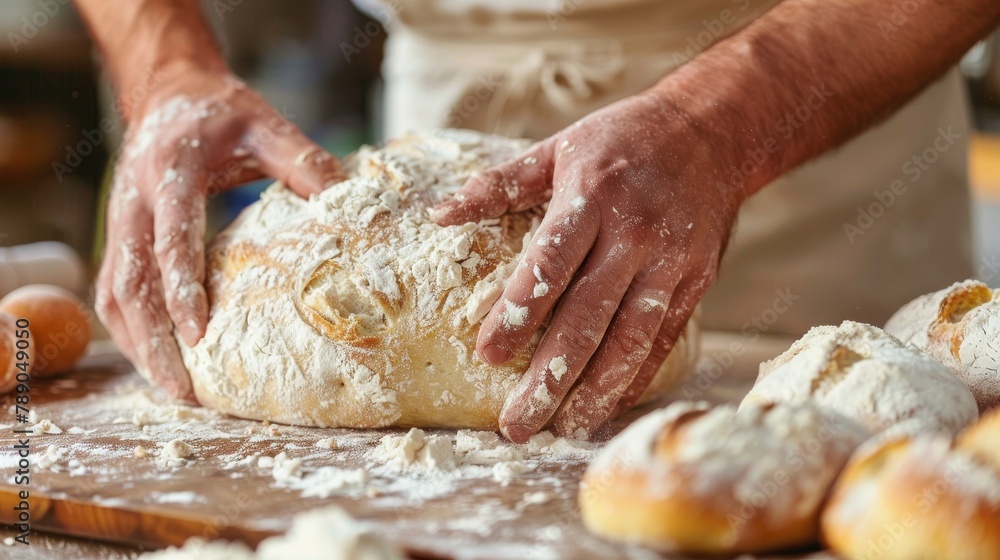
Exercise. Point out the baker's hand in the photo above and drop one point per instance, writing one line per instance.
(199, 133)
(639, 214)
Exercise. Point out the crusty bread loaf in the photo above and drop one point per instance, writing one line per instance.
(960, 327)
(692, 479)
(920, 498)
(869, 376)
(353, 309)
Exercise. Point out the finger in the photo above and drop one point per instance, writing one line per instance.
(289, 156)
(577, 328)
(610, 372)
(120, 201)
(557, 251)
(683, 304)
(513, 186)
(107, 309)
(237, 172)
(139, 292)
(179, 246)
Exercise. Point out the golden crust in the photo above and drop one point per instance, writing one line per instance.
(628, 513)
(958, 326)
(983, 439)
(913, 500)
(658, 491)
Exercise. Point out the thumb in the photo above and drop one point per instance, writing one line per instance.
(513, 186)
(302, 165)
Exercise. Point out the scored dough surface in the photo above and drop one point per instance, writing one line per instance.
(353, 309)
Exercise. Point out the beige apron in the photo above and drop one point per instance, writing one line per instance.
(853, 235)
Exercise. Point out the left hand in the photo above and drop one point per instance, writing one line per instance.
(199, 133)
(639, 214)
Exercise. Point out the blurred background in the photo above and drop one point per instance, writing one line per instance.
(54, 166)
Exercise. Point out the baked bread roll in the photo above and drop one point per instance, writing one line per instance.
(960, 327)
(983, 439)
(353, 309)
(919, 498)
(867, 375)
(713, 481)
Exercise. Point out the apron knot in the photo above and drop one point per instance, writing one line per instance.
(564, 80)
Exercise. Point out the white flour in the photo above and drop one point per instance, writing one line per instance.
(869, 376)
(50, 459)
(44, 426)
(327, 533)
(335, 296)
(960, 327)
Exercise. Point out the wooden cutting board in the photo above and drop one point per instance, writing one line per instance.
(98, 488)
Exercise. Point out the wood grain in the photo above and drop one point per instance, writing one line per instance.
(113, 496)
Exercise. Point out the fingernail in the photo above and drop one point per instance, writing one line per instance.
(517, 433)
(494, 355)
(441, 211)
(190, 332)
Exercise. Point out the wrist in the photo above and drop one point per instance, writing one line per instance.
(743, 131)
(710, 137)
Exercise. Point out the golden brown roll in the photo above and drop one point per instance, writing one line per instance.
(919, 499)
(983, 439)
(692, 479)
(960, 327)
(10, 364)
(354, 309)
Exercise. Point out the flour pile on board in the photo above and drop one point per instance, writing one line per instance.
(327, 533)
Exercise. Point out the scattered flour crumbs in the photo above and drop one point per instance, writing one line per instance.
(418, 466)
(387, 469)
(326, 533)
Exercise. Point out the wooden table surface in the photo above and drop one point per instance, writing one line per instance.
(99, 489)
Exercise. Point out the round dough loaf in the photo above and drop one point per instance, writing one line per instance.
(869, 376)
(353, 309)
(916, 499)
(696, 480)
(960, 327)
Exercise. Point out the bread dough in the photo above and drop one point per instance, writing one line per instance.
(960, 327)
(353, 309)
(692, 479)
(869, 376)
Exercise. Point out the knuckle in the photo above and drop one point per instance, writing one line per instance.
(632, 342)
(486, 181)
(104, 304)
(127, 284)
(168, 244)
(130, 281)
(577, 334)
(660, 347)
(555, 259)
(636, 233)
(175, 248)
(599, 292)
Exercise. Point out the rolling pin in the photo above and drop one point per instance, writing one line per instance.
(47, 262)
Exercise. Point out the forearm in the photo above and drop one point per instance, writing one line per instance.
(140, 38)
(843, 64)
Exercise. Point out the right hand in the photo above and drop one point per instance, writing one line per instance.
(200, 132)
